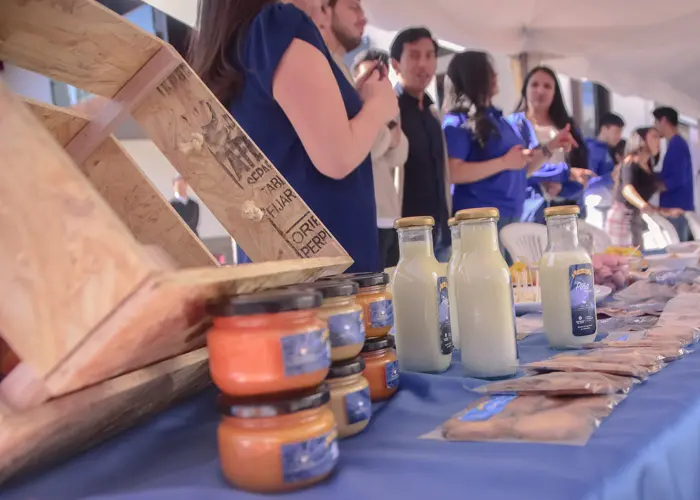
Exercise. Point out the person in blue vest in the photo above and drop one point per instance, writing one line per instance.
(489, 157)
(599, 195)
(541, 115)
(268, 63)
(677, 196)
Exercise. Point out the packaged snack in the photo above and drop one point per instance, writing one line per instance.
(561, 384)
(688, 335)
(668, 354)
(535, 419)
(645, 342)
(579, 364)
(626, 356)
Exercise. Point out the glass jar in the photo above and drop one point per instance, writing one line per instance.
(376, 302)
(350, 399)
(421, 300)
(485, 298)
(343, 314)
(452, 278)
(567, 283)
(381, 367)
(274, 444)
(268, 342)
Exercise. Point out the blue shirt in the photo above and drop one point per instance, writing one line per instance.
(346, 206)
(504, 190)
(677, 175)
(601, 163)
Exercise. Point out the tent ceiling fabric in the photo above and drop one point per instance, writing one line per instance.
(649, 48)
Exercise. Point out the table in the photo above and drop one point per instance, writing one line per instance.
(648, 449)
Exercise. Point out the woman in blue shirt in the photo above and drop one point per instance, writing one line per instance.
(489, 158)
(267, 62)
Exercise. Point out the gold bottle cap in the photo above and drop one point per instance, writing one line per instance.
(451, 222)
(477, 213)
(414, 222)
(563, 210)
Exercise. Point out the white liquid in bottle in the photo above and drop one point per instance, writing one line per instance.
(485, 299)
(421, 301)
(566, 281)
(452, 279)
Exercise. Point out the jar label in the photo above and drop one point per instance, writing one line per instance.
(487, 409)
(346, 329)
(444, 327)
(582, 296)
(358, 406)
(381, 314)
(391, 373)
(309, 459)
(306, 353)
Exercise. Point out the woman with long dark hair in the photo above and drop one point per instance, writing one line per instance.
(489, 158)
(541, 114)
(267, 62)
(635, 184)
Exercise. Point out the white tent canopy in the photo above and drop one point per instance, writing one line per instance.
(649, 48)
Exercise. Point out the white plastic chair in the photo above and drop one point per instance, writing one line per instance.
(593, 239)
(661, 232)
(694, 222)
(524, 239)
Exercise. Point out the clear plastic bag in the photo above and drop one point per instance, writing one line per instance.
(528, 324)
(687, 335)
(626, 356)
(668, 353)
(675, 277)
(533, 419)
(582, 364)
(643, 291)
(561, 384)
(626, 323)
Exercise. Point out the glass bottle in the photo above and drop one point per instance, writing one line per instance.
(421, 302)
(566, 280)
(452, 278)
(485, 299)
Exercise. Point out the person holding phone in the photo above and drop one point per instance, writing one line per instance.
(268, 63)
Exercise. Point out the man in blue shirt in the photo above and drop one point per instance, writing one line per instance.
(598, 195)
(677, 173)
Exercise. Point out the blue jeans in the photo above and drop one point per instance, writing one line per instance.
(682, 227)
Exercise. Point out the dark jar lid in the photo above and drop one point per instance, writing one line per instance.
(330, 289)
(379, 343)
(273, 405)
(365, 280)
(346, 368)
(273, 301)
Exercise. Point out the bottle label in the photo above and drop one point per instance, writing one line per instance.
(358, 406)
(487, 409)
(381, 314)
(391, 373)
(309, 459)
(306, 353)
(582, 296)
(443, 301)
(346, 329)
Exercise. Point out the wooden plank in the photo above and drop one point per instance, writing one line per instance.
(130, 193)
(66, 426)
(166, 317)
(74, 41)
(245, 192)
(115, 111)
(66, 259)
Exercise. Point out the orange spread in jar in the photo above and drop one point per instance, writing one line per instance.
(376, 301)
(382, 367)
(350, 398)
(277, 443)
(268, 342)
(345, 317)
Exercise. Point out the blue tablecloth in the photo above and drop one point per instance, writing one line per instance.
(648, 449)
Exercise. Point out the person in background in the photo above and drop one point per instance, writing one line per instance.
(541, 115)
(602, 163)
(634, 186)
(426, 186)
(677, 172)
(389, 154)
(344, 32)
(489, 158)
(268, 63)
(186, 207)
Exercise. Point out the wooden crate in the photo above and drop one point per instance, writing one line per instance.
(107, 284)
